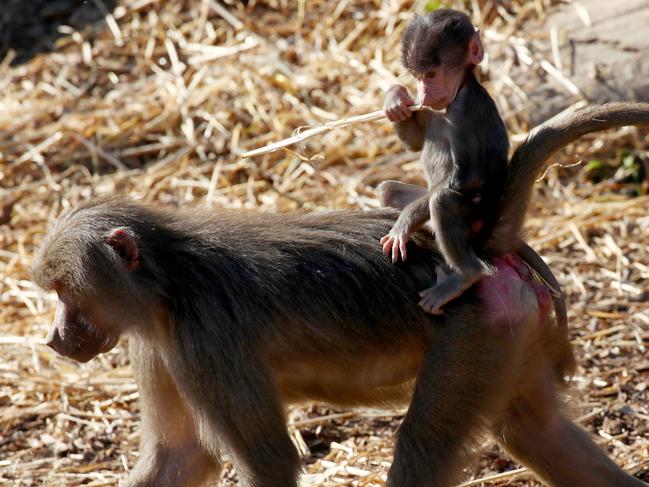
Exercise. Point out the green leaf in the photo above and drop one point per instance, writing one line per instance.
(433, 5)
(628, 162)
(593, 165)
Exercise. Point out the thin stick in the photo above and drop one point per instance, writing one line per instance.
(368, 117)
(498, 476)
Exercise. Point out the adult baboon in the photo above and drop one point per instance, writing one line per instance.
(230, 315)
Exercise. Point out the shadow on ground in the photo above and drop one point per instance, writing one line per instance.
(30, 27)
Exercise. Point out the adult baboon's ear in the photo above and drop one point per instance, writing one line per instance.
(125, 245)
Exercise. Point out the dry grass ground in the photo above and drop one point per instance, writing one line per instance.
(158, 101)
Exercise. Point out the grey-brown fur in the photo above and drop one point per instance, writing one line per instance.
(530, 157)
(464, 151)
(230, 315)
(444, 33)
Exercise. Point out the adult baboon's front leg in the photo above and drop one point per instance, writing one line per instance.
(170, 454)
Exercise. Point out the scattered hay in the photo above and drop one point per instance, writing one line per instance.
(160, 100)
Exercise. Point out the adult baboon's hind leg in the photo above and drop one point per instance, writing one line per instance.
(553, 447)
(461, 380)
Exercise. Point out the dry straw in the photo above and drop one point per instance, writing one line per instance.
(300, 135)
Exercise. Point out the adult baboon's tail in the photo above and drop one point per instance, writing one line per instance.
(530, 157)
